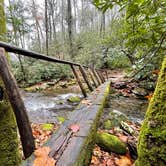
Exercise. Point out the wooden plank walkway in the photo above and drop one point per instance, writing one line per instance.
(74, 149)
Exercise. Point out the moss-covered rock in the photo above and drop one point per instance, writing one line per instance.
(61, 119)
(108, 125)
(152, 139)
(74, 99)
(114, 120)
(47, 126)
(110, 143)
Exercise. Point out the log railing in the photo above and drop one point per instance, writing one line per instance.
(14, 96)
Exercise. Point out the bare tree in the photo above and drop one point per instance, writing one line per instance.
(46, 25)
(70, 27)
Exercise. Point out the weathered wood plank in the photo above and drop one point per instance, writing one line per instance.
(17, 105)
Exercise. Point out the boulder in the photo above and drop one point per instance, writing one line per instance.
(110, 143)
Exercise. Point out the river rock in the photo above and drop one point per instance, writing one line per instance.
(140, 92)
(114, 119)
(127, 128)
(74, 99)
(110, 143)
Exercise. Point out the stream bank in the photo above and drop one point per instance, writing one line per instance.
(122, 117)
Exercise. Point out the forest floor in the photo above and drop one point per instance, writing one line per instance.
(122, 117)
(125, 110)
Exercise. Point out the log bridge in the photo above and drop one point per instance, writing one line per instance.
(67, 148)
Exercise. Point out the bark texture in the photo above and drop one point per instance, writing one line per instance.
(152, 139)
(9, 154)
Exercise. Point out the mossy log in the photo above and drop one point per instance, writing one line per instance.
(110, 143)
(152, 139)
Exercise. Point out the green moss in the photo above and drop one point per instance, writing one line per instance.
(108, 125)
(74, 99)
(9, 153)
(110, 143)
(86, 151)
(61, 119)
(151, 145)
(47, 126)
(8, 136)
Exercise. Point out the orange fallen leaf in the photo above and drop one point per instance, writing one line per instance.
(74, 128)
(123, 161)
(149, 96)
(123, 138)
(156, 72)
(42, 158)
(43, 151)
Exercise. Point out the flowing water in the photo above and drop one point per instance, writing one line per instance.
(42, 108)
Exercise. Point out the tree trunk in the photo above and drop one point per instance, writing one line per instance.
(152, 139)
(70, 28)
(46, 25)
(9, 153)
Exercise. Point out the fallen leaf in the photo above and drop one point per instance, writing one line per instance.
(149, 96)
(87, 102)
(42, 158)
(74, 128)
(43, 151)
(123, 138)
(123, 161)
(156, 72)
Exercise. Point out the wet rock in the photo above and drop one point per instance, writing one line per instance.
(120, 85)
(114, 119)
(61, 119)
(108, 125)
(63, 85)
(140, 92)
(110, 143)
(127, 128)
(147, 85)
(74, 99)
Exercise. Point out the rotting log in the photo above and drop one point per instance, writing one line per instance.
(79, 81)
(17, 105)
(86, 78)
(75, 149)
(93, 79)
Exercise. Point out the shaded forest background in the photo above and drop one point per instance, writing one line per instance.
(103, 34)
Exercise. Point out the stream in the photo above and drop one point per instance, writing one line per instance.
(42, 108)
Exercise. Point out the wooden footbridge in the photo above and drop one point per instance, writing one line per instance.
(67, 148)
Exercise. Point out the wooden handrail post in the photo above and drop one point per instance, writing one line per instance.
(85, 78)
(78, 80)
(93, 79)
(102, 76)
(99, 74)
(106, 74)
(17, 105)
(96, 76)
